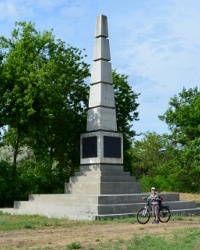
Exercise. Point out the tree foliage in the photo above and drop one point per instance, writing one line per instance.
(149, 155)
(171, 162)
(44, 98)
(183, 116)
(126, 105)
(183, 119)
(127, 114)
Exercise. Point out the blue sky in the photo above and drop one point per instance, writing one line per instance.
(155, 42)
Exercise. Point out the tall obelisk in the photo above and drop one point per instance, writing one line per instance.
(102, 144)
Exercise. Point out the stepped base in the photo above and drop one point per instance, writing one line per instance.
(93, 207)
(97, 191)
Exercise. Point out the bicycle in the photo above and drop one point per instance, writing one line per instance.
(144, 214)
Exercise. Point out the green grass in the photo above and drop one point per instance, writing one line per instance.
(15, 222)
(183, 239)
(74, 245)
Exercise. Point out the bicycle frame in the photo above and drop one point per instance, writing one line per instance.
(146, 208)
(149, 205)
(144, 214)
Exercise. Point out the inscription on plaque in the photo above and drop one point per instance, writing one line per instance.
(112, 147)
(89, 147)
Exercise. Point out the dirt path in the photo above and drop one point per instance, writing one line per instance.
(88, 236)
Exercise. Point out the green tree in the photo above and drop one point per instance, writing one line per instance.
(150, 154)
(183, 119)
(183, 116)
(42, 85)
(127, 114)
(171, 162)
(43, 97)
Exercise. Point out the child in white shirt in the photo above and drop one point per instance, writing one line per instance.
(154, 199)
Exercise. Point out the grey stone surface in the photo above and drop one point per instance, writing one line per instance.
(101, 72)
(102, 94)
(101, 26)
(100, 159)
(101, 49)
(101, 114)
(91, 207)
(101, 118)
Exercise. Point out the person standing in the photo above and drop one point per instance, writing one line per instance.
(154, 199)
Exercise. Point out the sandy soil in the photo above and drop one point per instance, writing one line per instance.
(88, 236)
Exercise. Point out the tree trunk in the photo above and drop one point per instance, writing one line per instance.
(16, 150)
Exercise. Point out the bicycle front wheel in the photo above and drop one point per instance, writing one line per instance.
(143, 216)
(164, 214)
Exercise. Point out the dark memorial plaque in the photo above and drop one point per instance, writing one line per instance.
(112, 147)
(89, 147)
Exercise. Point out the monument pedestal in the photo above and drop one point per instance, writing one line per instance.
(98, 179)
(101, 147)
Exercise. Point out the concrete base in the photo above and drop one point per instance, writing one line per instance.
(100, 179)
(98, 191)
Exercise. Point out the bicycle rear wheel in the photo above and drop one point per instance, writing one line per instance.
(164, 214)
(143, 216)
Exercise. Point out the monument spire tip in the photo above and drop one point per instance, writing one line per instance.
(101, 26)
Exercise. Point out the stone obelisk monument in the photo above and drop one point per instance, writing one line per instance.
(101, 188)
(101, 170)
(102, 144)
